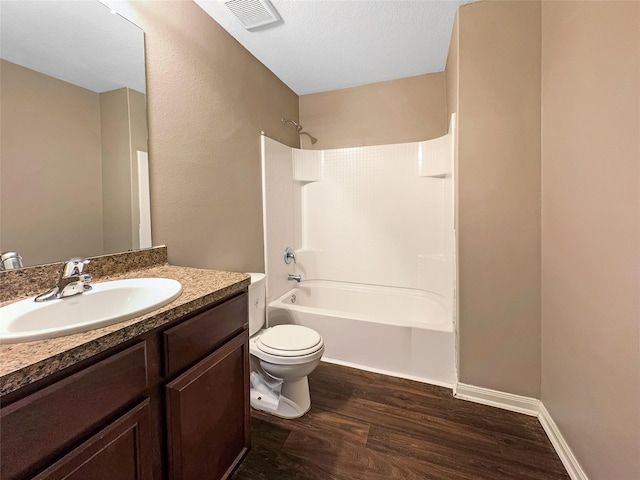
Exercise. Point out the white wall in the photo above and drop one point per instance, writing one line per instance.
(372, 218)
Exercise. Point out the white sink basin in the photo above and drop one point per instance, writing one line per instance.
(106, 304)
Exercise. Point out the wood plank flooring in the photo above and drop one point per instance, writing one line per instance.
(374, 427)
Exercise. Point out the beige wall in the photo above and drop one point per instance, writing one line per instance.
(208, 100)
(591, 231)
(51, 170)
(116, 170)
(451, 70)
(139, 142)
(499, 196)
(124, 132)
(406, 110)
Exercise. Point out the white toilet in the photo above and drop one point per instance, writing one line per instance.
(287, 353)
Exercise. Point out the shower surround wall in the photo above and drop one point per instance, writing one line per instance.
(378, 215)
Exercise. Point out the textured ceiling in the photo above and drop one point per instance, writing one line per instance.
(319, 45)
(325, 45)
(79, 42)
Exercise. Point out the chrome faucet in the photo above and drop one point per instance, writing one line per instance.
(297, 278)
(71, 282)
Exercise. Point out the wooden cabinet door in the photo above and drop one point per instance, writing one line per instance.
(208, 414)
(120, 451)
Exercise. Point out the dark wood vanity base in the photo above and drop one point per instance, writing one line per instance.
(170, 404)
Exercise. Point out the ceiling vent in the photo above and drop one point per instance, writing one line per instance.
(253, 14)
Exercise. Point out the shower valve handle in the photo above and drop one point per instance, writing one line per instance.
(289, 256)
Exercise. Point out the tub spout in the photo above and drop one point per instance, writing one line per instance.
(297, 278)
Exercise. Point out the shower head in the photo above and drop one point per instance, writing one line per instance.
(299, 129)
(312, 138)
(293, 122)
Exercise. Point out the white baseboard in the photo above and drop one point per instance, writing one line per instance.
(528, 406)
(569, 461)
(494, 398)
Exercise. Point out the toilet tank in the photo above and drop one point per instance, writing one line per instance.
(257, 302)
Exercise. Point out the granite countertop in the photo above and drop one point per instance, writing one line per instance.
(25, 363)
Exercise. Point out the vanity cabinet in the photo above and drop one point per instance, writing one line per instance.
(170, 404)
(206, 411)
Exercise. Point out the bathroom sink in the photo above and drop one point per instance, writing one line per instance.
(107, 303)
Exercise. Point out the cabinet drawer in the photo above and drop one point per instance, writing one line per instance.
(193, 339)
(39, 427)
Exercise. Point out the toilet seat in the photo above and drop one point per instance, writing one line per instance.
(289, 341)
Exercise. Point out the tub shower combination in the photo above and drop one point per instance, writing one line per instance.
(372, 237)
(396, 331)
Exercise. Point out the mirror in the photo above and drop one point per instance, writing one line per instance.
(73, 151)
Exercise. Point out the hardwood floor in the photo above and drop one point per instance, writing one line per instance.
(374, 427)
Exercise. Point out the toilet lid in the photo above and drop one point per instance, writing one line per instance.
(290, 341)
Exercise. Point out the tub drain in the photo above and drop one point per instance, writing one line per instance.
(293, 299)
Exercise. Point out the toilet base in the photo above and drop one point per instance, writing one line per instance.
(294, 400)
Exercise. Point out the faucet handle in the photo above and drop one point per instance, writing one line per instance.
(289, 255)
(85, 277)
(74, 267)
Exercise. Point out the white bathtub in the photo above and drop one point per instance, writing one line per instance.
(401, 332)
